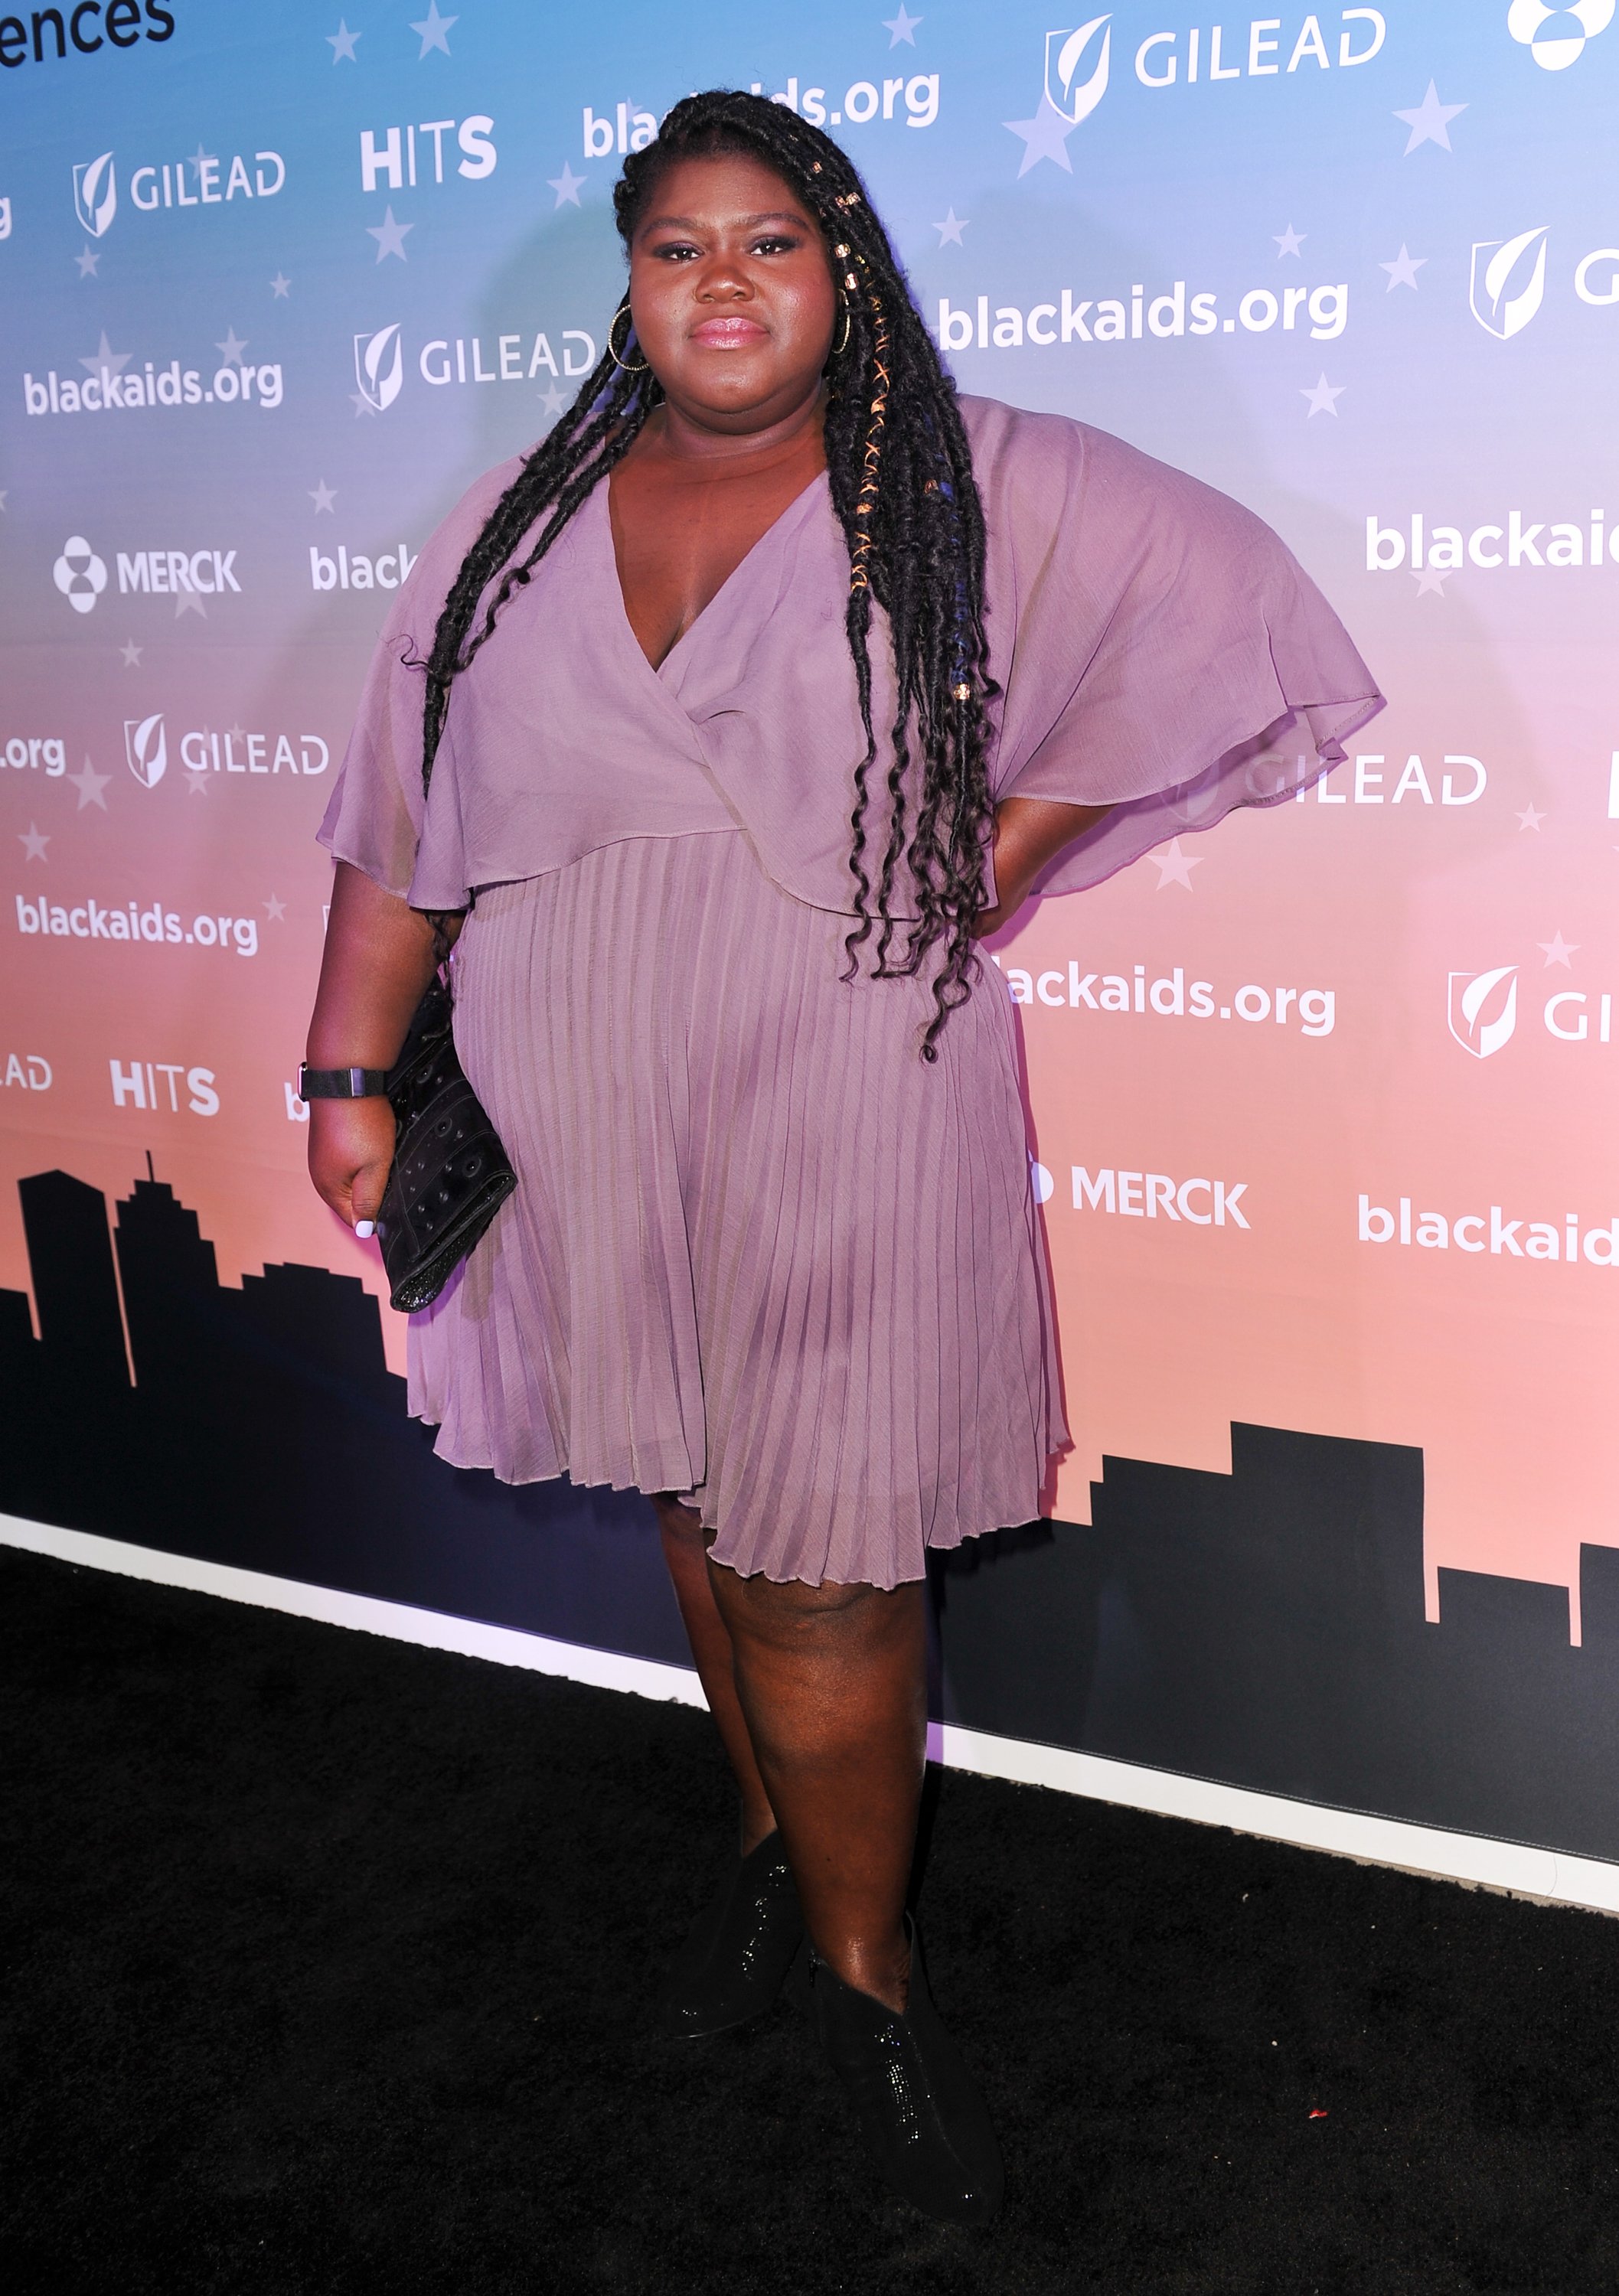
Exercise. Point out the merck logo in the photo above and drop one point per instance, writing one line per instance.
(1555, 50)
(79, 574)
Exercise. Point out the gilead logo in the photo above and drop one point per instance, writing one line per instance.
(1484, 1009)
(95, 193)
(162, 183)
(1509, 281)
(146, 749)
(379, 367)
(1073, 97)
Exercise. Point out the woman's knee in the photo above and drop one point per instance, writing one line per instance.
(788, 1613)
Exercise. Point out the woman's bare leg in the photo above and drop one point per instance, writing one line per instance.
(831, 1681)
(685, 1553)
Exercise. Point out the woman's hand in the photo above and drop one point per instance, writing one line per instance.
(1029, 833)
(351, 1152)
(378, 959)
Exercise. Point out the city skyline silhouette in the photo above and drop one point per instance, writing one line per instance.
(1265, 1628)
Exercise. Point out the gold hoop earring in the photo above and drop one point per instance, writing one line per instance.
(838, 348)
(623, 312)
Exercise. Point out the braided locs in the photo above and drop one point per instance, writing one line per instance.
(900, 472)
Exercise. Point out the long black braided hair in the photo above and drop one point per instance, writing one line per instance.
(900, 474)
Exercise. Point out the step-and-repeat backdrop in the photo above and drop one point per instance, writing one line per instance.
(1320, 1100)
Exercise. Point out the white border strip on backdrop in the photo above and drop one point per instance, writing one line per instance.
(1468, 1857)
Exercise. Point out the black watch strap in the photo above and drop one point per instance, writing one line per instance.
(341, 1084)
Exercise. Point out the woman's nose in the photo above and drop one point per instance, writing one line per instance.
(724, 280)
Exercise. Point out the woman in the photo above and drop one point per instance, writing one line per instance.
(772, 679)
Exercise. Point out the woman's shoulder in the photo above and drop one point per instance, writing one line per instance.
(1037, 472)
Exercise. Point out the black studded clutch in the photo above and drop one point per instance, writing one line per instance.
(450, 1174)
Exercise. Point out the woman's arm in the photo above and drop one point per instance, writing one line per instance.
(1029, 832)
(378, 959)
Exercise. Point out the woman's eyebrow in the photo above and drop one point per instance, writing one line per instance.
(740, 223)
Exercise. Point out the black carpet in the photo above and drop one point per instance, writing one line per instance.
(325, 1960)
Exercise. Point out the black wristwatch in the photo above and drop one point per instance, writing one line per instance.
(341, 1084)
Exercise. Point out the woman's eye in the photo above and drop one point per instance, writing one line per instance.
(775, 245)
(676, 251)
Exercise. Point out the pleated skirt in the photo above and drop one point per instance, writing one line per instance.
(760, 1251)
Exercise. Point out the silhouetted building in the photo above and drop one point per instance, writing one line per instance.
(1263, 1627)
(74, 1286)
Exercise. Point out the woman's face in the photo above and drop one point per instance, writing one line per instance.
(731, 293)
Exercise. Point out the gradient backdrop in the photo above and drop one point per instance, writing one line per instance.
(1321, 1101)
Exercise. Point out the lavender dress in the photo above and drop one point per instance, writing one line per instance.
(758, 1250)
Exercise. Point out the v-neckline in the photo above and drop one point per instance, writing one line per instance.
(657, 669)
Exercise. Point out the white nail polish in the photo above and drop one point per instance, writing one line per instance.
(364, 1228)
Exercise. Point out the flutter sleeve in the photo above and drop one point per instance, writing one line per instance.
(1170, 659)
(376, 818)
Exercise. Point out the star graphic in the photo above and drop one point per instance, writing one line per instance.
(1045, 136)
(433, 28)
(281, 286)
(901, 28)
(1529, 819)
(1289, 242)
(106, 357)
(1402, 271)
(1430, 122)
(196, 785)
(87, 262)
(566, 185)
(188, 603)
(322, 496)
(950, 230)
(389, 235)
(361, 404)
(1174, 868)
(33, 842)
(275, 910)
(132, 655)
(201, 160)
(90, 785)
(1323, 397)
(342, 44)
(552, 400)
(1558, 951)
(1431, 582)
(235, 733)
(231, 349)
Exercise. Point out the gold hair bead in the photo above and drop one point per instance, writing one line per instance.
(850, 280)
(963, 692)
(840, 251)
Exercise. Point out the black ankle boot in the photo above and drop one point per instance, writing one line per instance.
(925, 2121)
(732, 1965)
